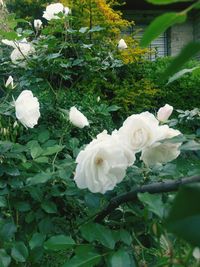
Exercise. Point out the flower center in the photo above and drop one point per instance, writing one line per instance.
(98, 161)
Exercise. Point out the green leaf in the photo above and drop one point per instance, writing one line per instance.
(185, 55)
(120, 258)
(41, 160)
(36, 240)
(165, 2)
(19, 252)
(36, 151)
(22, 206)
(43, 136)
(92, 231)
(125, 237)
(90, 259)
(96, 29)
(180, 73)
(7, 231)
(184, 217)
(154, 203)
(49, 207)
(3, 202)
(12, 171)
(191, 145)
(160, 25)
(4, 258)
(59, 242)
(52, 150)
(39, 178)
(83, 29)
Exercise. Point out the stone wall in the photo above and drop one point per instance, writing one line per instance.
(179, 36)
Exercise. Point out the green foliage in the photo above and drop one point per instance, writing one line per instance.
(184, 216)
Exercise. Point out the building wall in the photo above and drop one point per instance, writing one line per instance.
(180, 35)
(177, 36)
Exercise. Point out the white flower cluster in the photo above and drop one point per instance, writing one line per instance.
(23, 48)
(103, 163)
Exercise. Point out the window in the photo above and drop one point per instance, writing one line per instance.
(159, 46)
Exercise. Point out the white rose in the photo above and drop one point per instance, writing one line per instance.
(164, 113)
(37, 24)
(9, 82)
(53, 9)
(27, 109)
(140, 131)
(67, 10)
(122, 44)
(196, 253)
(21, 52)
(102, 164)
(21, 49)
(77, 118)
(161, 153)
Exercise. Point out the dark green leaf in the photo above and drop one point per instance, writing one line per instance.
(4, 258)
(90, 259)
(49, 207)
(59, 242)
(191, 145)
(120, 258)
(154, 203)
(92, 231)
(7, 231)
(39, 178)
(52, 150)
(3, 202)
(19, 252)
(184, 217)
(165, 2)
(43, 136)
(36, 240)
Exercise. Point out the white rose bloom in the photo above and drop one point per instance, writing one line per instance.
(196, 253)
(161, 153)
(77, 118)
(67, 10)
(122, 44)
(53, 9)
(21, 49)
(102, 164)
(37, 24)
(27, 109)
(10, 43)
(164, 113)
(9, 82)
(140, 131)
